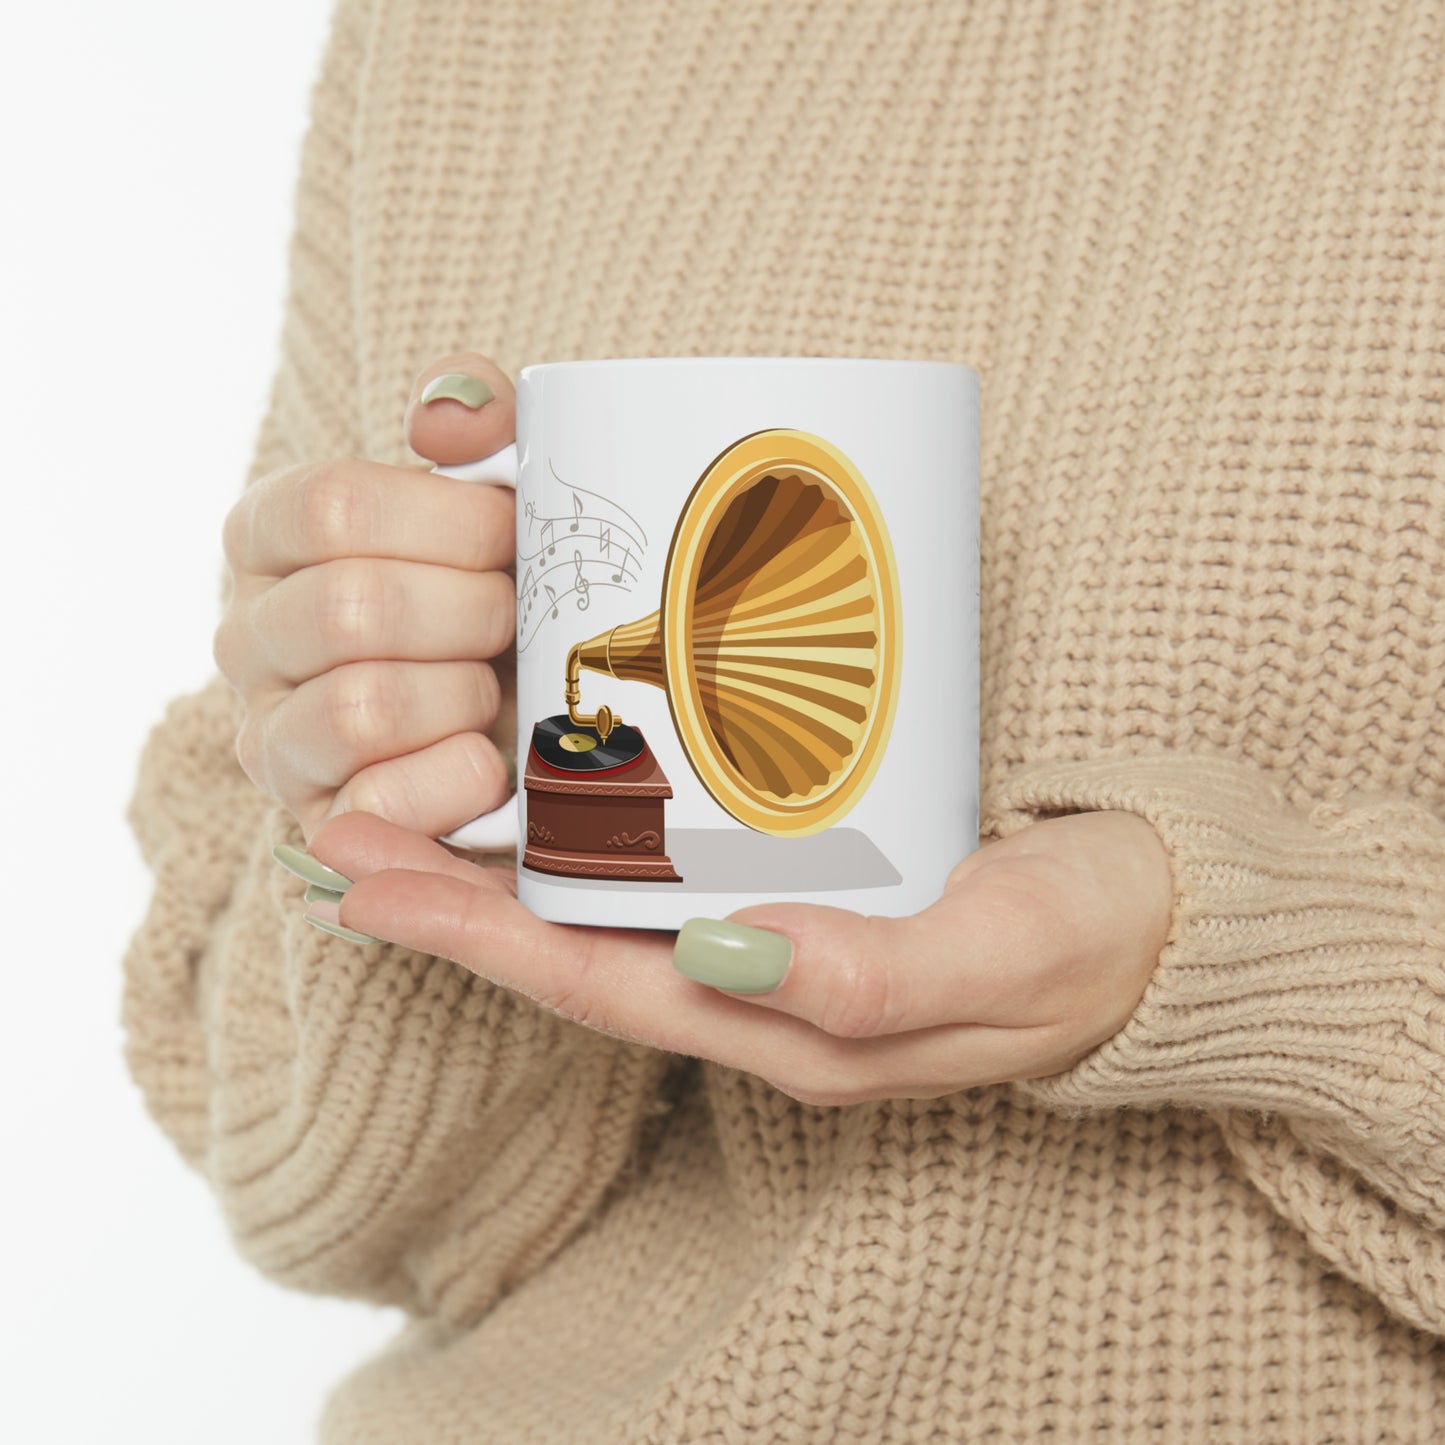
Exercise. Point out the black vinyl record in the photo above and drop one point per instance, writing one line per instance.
(561, 744)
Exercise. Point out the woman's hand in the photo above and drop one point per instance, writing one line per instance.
(367, 602)
(1039, 949)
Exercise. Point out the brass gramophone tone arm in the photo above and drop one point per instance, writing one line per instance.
(604, 719)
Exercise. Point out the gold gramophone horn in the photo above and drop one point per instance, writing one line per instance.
(778, 641)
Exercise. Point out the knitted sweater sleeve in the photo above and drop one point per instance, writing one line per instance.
(1300, 1001)
(375, 1122)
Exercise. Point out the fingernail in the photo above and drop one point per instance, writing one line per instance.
(303, 865)
(350, 934)
(732, 955)
(316, 894)
(471, 391)
(509, 757)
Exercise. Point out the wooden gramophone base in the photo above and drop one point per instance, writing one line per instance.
(594, 865)
(605, 826)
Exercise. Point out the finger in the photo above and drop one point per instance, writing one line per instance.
(1061, 924)
(301, 516)
(358, 844)
(620, 982)
(361, 608)
(962, 960)
(472, 414)
(434, 789)
(327, 730)
(410, 891)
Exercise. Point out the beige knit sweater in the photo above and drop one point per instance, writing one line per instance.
(1197, 252)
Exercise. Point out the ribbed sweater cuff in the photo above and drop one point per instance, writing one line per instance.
(1305, 968)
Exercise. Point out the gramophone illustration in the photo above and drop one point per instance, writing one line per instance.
(778, 646)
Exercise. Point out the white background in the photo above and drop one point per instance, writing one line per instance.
(148, 152)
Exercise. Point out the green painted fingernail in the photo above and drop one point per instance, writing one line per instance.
(303, 865)
(317, 894)
(732, 955)
(471, 391)
(350, 934)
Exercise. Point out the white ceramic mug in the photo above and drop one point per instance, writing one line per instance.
(747, 635)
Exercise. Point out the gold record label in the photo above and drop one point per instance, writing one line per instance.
(577, 742)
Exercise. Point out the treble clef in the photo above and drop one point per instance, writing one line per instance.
(582, 584)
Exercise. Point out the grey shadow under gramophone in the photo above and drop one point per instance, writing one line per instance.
(736, 860)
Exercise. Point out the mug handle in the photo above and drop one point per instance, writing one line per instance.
(502, 827)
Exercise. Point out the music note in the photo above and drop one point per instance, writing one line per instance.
(531, 516)
(582, 585)
(546, 532)
(604, 539)
(577, 512)
(622, 570)
(552, 595)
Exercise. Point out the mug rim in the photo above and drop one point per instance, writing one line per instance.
(643, 361)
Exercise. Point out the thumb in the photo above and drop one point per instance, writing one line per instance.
(462, 408)
(853, 976)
